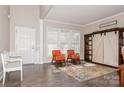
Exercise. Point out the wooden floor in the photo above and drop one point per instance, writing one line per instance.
(43, 76)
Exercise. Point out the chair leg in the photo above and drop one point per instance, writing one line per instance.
(79, 61)
(56, 64)
(65, 63)
(21, 75)
(4, 78)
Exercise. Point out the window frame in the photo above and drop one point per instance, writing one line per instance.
(58, 39)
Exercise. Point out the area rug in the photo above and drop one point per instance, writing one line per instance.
(87, 71)
(89, 64)
(55, 69)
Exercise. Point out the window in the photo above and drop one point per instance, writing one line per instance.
(62, 39)
(52, 40)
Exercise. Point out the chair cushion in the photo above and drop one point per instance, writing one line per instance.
(75, 57)
(60, 58)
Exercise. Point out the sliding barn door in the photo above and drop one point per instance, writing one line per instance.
(98, 41)
(111, 48)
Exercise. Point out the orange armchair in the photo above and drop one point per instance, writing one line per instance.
(72, 55)
(57, 57)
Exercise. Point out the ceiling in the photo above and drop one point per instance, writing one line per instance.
(82, 14)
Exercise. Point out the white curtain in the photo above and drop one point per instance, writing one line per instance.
(98, 48)
(105, 48)
(111, 49)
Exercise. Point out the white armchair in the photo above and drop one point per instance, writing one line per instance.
(11, 64)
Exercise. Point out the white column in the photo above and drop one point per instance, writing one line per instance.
(41, 41)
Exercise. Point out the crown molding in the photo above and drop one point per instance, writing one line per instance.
(94, 22)
(61, 22)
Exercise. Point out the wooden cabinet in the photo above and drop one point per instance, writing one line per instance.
(121, 71)
(88, 47)
(121, 44)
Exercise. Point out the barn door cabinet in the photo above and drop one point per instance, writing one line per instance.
(105, 46)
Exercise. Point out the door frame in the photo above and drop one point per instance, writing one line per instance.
(16, 37)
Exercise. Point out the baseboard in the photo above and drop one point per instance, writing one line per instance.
(46, 62)
(38, 63)
(42, 62)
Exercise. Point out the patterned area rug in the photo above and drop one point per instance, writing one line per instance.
(86, 72)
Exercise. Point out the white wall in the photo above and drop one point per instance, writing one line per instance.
(47, 23)
(27, 16)
(4, 30)
(93, 27)
(44, 10)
